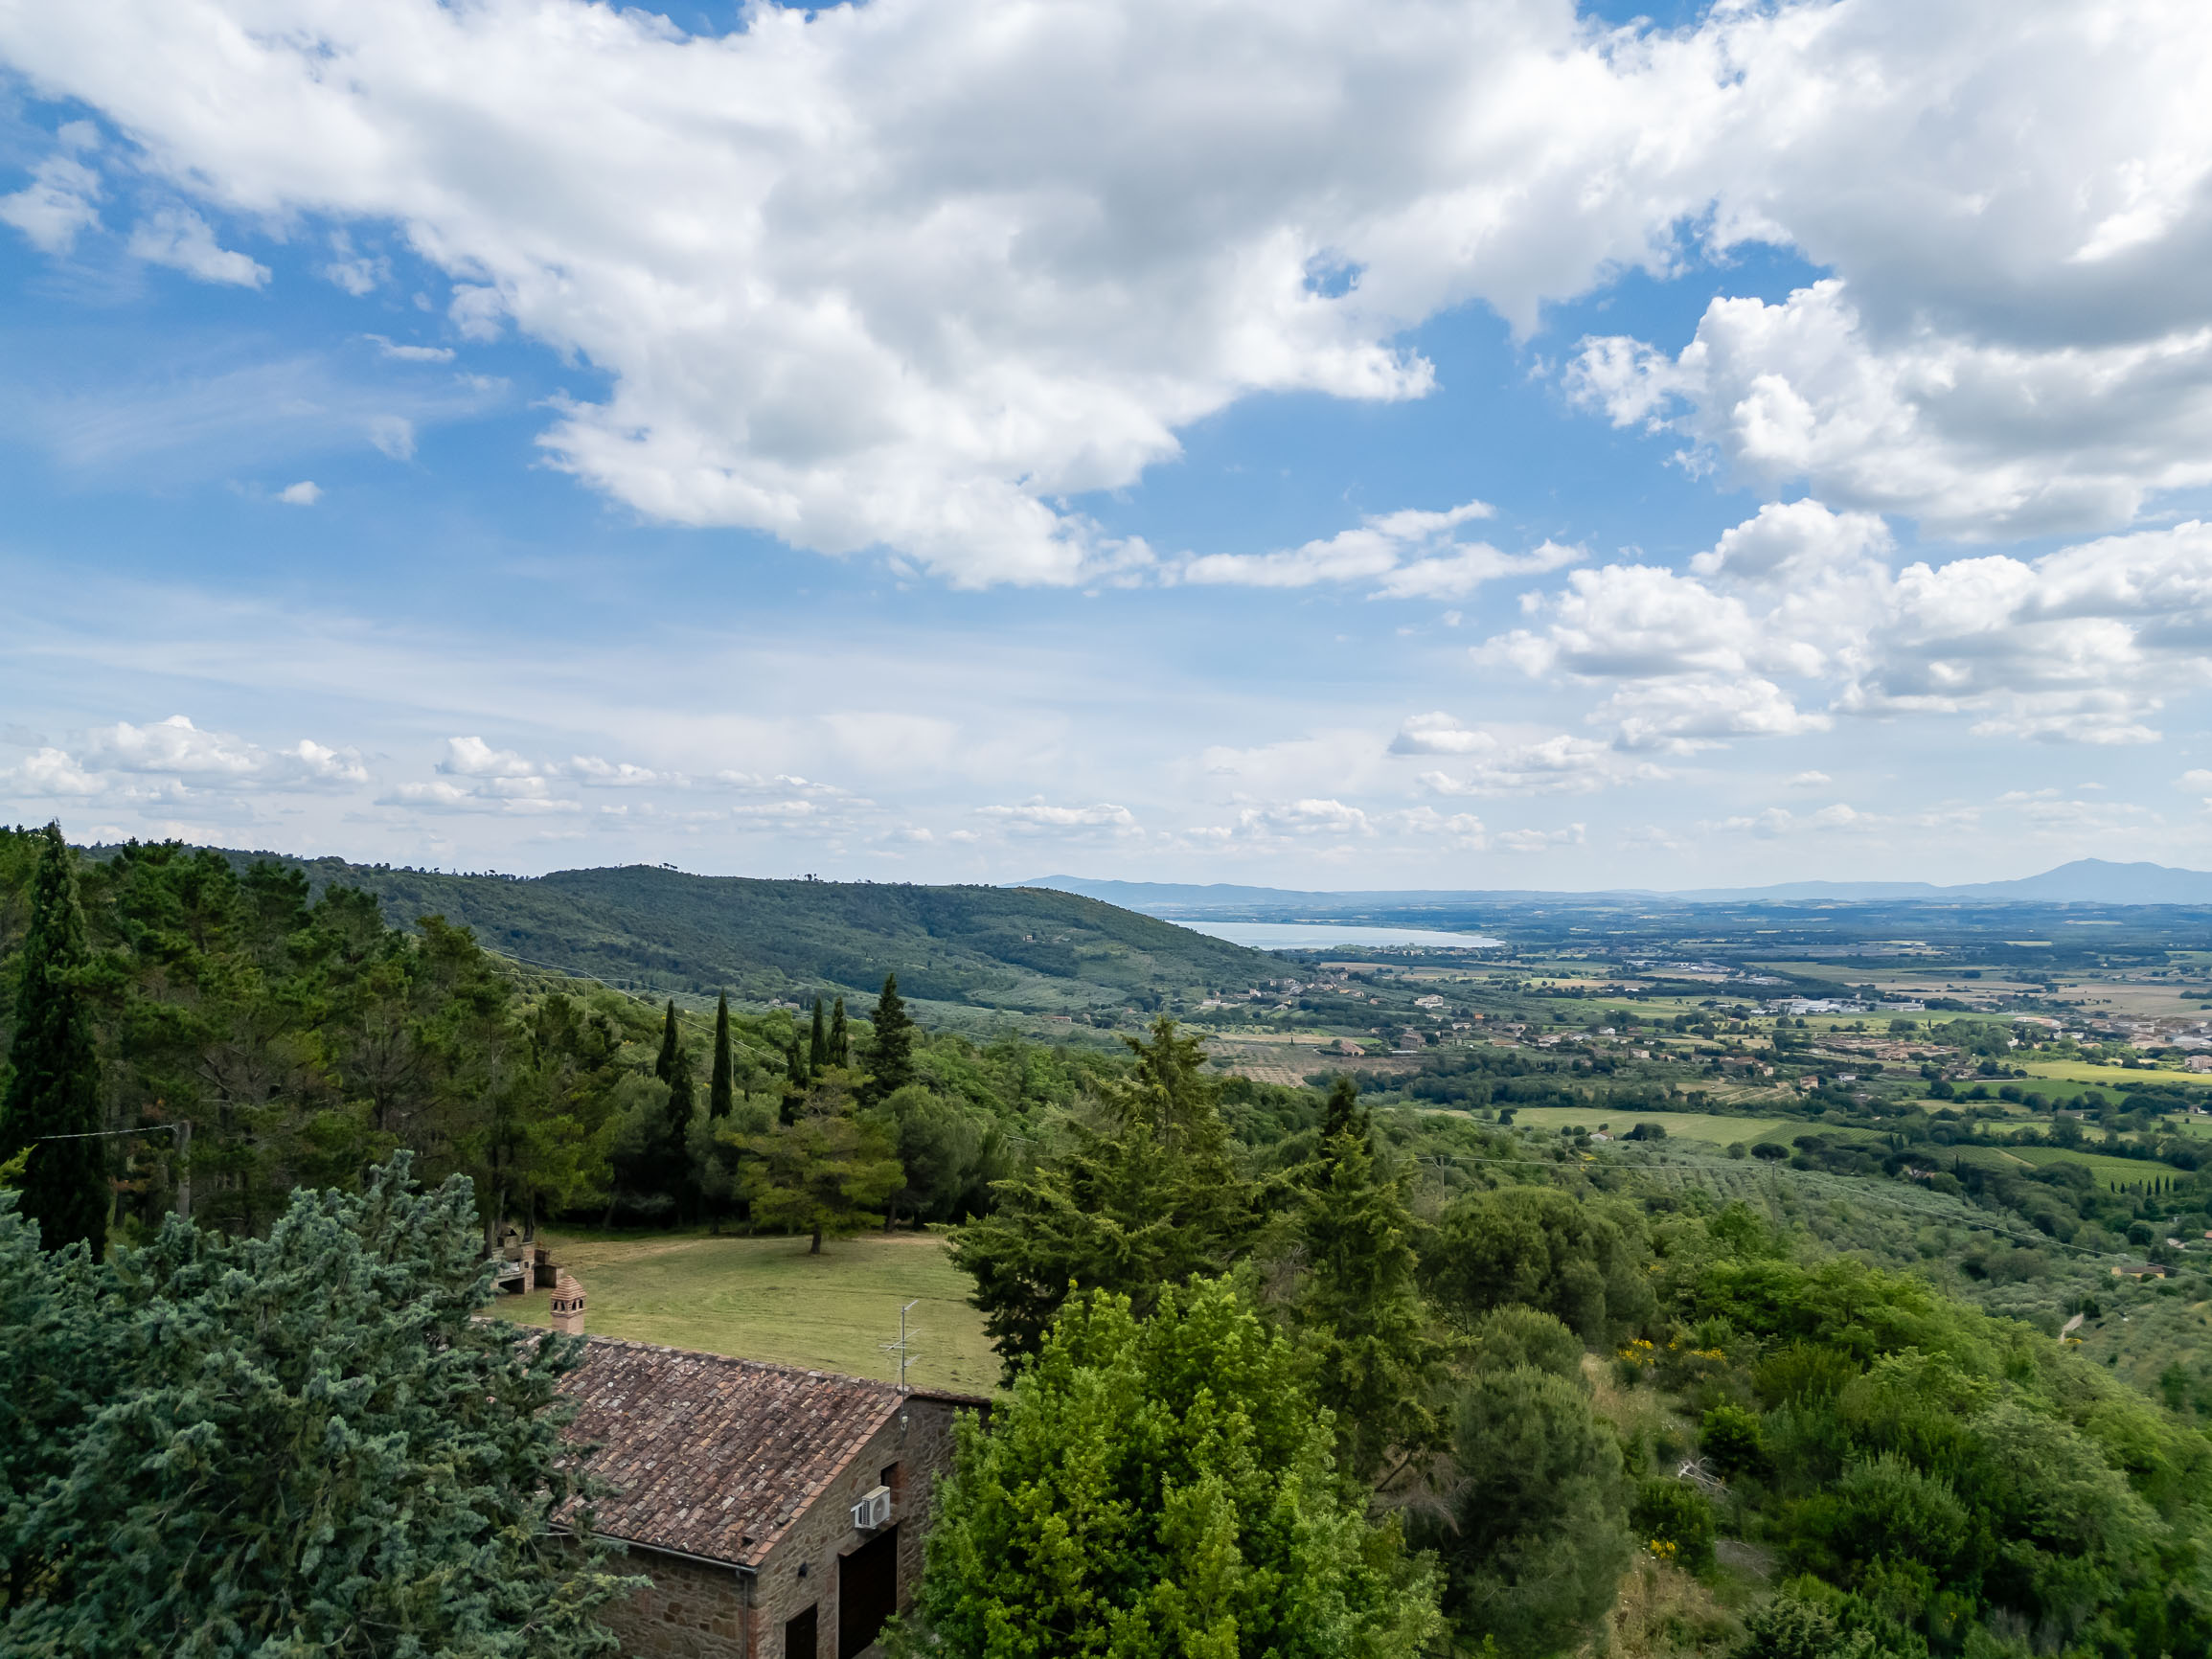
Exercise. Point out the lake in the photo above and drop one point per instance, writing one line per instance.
(1324, 936)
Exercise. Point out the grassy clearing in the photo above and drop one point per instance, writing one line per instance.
(1709, 1126)
(768, 1299)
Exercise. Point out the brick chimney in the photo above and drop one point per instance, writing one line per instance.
(567, 1305)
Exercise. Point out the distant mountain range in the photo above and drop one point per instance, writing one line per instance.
(2084, 882)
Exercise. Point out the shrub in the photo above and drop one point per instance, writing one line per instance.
(1677, 1515)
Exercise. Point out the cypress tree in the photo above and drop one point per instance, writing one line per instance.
(53, 1087)
(817, 1045)
(663, 1067)
(891, 1055)
(840, 1042)
(1343, 1115)
(721, 1094)
(795, 1065)
(676, 1130)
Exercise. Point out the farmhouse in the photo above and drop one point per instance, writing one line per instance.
(778, 1511)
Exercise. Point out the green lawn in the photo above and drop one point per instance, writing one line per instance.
(768, 1299)
(1709, 1126)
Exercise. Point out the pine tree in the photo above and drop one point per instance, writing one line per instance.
(891, 1054)
(817, 1045)
(840, 1040)
(664, 1066)
(51, 1105)
(721, 1092)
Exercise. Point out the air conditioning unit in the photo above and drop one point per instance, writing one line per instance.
(873, 1512)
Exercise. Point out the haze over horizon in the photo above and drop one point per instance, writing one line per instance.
(1395, 446)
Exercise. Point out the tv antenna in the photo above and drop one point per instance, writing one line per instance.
(904, 1347)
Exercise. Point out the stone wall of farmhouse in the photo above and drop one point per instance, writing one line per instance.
(692, 1611)
(921, 1450)
(695, 1611)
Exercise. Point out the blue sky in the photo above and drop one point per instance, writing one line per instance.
(1334, 445)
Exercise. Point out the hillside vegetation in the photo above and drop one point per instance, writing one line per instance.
(647, 928)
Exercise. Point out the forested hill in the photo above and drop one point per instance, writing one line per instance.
(655, 929)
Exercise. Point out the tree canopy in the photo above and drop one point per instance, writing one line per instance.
(298, 1444)
(1162, 1486)
(50, 1103)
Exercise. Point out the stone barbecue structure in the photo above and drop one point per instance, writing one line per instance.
(779, 1512)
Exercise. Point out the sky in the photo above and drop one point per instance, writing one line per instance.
(1323, 443)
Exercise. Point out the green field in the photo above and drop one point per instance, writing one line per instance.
(2110, 1077)
(2123, 1170)
(1707, 1126)
(768, 1299)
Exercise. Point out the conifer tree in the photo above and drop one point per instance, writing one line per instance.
(677, 1129)
(1143, 1192)
(840, 1040)
(51, 1105)
(663, 1068)
(1343, 1115)
(817, 1043)
(1366, 1345)
(795, 1079)
(721, 1091)
(891, 1054)
(301, 1443)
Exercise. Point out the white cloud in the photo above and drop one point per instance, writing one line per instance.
(1558, 765)
(1439, 734)
(51, 772)
(475, 758)
(1779, 821)
(1312, 818)
(966, 261)
(961, 262)
(177, 750)
(1685, 714)
(1040, 814)
(180, 239)
(1537, 840)
(2083, 645)
(1459, 831)
(394, 435)
(1412, 554)
(1809, 779)
(1797, 542)
(56, 205)
(1973, 438)
(595, 772)
(305, 494)
(400, 353)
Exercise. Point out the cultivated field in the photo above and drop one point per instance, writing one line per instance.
(1709, 1126)
(2114, 1172)
(768, 1299)
(2110, 1077)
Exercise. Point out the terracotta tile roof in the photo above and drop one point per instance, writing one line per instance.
(712, 1456)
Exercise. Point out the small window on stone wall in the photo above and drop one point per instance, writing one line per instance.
(890, 1478)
